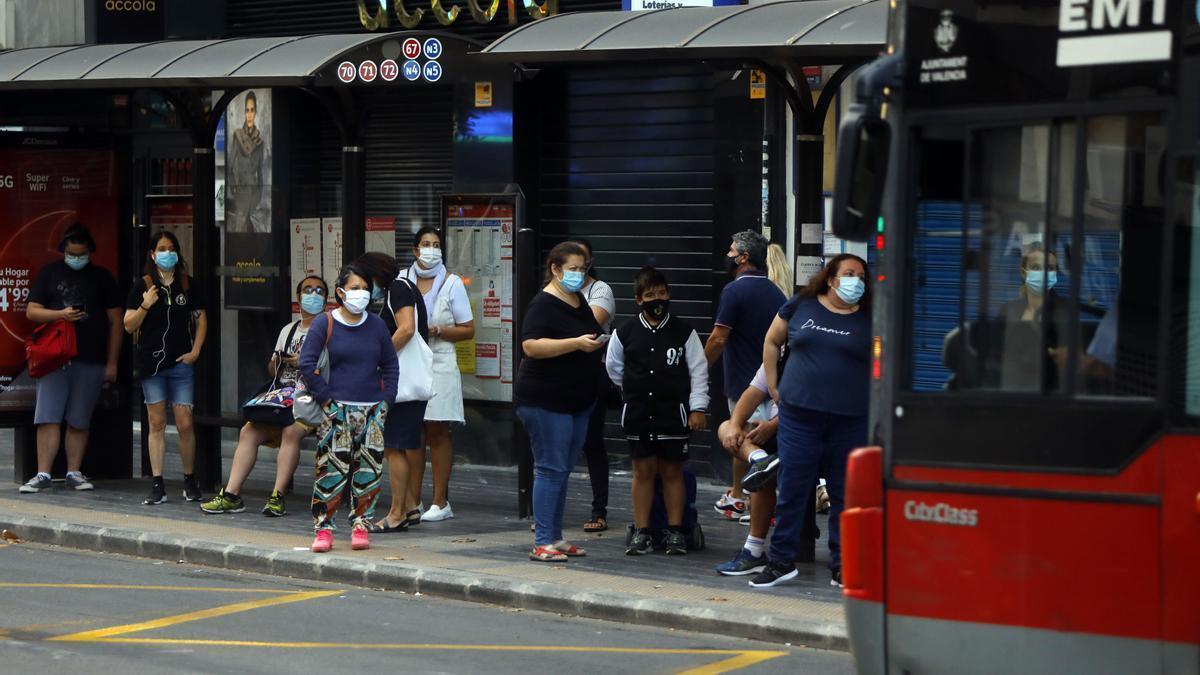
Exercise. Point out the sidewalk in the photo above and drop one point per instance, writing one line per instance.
(480, 555)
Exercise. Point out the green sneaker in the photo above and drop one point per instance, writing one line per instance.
(274, 505)
(223, 503)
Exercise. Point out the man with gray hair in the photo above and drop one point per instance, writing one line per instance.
(745, 311)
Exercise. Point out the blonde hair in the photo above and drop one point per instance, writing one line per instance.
(778, 269)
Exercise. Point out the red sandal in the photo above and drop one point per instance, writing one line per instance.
(547, 554)
(566, 548)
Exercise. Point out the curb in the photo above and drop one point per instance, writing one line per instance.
(457, 585)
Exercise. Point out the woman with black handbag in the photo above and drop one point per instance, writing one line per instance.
(269, 419)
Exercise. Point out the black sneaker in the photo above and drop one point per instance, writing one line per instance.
(191, 491)
(675, 543)
(837, 578)
(773, 575)
(761, 472)
(641, 543)
(158, 494)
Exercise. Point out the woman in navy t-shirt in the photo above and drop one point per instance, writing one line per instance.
(822, 397)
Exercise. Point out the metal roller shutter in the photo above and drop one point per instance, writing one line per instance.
(626, 161)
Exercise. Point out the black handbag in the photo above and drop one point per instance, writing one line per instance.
(271, 405)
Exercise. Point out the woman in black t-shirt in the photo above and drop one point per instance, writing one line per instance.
(555, 390)
(165, 314)
(404, 312)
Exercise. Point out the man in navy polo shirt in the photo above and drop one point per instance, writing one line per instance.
(746, 309)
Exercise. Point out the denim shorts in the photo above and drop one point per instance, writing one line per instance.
(174, 384)
(69, 393)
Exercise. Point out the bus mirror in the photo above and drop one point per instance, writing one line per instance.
(862, 159)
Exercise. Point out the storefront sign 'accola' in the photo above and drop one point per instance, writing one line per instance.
(379, 16)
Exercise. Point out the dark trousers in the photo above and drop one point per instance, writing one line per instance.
(597, 454)
(812, 444)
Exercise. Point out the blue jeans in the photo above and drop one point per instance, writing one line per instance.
(556, 439)
(812, 444)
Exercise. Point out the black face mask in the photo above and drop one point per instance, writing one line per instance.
(731, 263)
(657, 309)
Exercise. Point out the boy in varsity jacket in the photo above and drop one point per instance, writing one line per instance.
(658, 362)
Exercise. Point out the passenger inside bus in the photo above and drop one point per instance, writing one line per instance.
(1009, 352)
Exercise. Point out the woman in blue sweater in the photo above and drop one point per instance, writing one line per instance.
(356, 389)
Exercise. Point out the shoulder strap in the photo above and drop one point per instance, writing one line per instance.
(291, 334)
(328, 328)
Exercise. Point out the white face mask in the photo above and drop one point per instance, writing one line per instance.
(357, 300)
(430, 257)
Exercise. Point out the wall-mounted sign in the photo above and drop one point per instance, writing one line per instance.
(113, 21)
(643, 5)
(758, 84)
(483, 94)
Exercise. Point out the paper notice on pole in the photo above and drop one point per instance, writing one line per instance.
(858, 248)
(381, 234)
(831, 246)
(305, 241)
(331, 251)
(506, 353)
(487, 360)
(806, 267)
(810, 233)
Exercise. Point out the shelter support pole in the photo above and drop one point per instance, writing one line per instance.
(354, 202)
(207, 257)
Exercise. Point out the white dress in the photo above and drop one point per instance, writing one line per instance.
(447, 402)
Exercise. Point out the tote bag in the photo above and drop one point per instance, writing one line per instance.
(415, 359)
(271, 404)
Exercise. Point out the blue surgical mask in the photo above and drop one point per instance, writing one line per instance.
(312, 303)
(572, 281)
(376, 293)
(850, 289)
(1034, 278)
(76, 262)
(166, 260)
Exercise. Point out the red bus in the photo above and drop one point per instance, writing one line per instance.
(1028, 171)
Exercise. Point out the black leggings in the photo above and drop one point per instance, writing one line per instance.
(597, 454)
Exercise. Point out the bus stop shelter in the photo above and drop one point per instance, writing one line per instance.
(186, 73)
(778, 38)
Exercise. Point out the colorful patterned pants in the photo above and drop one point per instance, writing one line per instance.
(349, 450)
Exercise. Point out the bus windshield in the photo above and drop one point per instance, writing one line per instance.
(1035, 258)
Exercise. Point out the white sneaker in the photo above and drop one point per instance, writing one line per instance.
(436, 513)
(78, 481)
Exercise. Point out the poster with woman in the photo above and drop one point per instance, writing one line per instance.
(248, 162)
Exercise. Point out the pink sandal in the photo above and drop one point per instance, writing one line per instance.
(547, 554)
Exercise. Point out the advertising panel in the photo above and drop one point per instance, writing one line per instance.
(42, 192)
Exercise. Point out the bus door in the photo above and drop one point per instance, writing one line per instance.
(1024, 460)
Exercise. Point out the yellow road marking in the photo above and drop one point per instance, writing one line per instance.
(744, 660)
(103, 633)
(134, 587)
(740, 658)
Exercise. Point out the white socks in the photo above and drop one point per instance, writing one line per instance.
(755, 545)
(757, 455)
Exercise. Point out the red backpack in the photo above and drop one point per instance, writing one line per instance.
(50, 347)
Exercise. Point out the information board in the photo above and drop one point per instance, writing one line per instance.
(479, 247)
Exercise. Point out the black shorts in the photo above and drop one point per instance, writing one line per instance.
(675, 450)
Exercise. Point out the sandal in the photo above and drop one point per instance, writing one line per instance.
(547, 554)
(596, 524)
(414, 517)
(567, 548)
(382, 527)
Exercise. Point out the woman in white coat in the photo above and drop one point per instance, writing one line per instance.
(450, 320)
